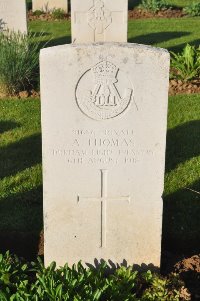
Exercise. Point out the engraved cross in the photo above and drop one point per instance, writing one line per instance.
(98, 17)
(104, 199)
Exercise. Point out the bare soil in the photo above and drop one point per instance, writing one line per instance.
(181, 87)
(138, 13)
(175, 87)
(188, 268)
(22, 94)
(45, 17)
(189, 271)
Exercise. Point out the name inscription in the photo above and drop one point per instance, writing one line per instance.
(108, 147)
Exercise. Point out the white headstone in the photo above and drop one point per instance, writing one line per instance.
(99, 21)
(104, 116)
(49, 5)
(13, 15)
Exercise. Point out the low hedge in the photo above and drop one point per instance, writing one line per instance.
(24, 281)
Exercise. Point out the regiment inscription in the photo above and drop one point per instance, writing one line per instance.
(108, 147)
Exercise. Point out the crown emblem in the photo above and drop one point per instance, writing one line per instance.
(104, 72)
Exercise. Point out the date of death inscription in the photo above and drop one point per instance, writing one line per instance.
(102, 147)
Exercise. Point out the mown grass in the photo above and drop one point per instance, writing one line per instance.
(20, 142)
(181, 3)
(20, 166)
(172, 34)
(53, 33)
(21, 172)
(181, 205)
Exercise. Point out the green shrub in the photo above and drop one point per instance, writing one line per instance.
(186, 65)
(154, 5)
(37, 13)
(58, 14)
(19, 67)
(34, 282)
(193, 9)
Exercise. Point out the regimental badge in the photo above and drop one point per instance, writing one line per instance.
(110, 94)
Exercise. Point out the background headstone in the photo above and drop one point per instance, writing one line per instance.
(13, 15)
(104, 116)
(99, 21)
(49, 5)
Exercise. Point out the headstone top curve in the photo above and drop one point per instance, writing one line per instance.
(81, 46)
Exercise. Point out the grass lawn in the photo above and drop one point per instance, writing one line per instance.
(181, 206)
(181, 3)
(21, 175)
(20, 142)
(172, 34)
(55, 32)
(20, 166)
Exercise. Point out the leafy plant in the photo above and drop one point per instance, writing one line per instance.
(37, 13)
(162, 289)
(33, 282)
(186, 65)
(58, 14)
(19, 57)
(12, 271)
(154, 5)
(193, 9)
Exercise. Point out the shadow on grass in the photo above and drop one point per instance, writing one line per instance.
(181, 209)
(59, 41)
(29, 4)
(20, 155)
(158, 37)
(183, 143)
(8, 125)
(39, 34)
(25, 211)
(179, 48)
(181, 222)
(54, 42)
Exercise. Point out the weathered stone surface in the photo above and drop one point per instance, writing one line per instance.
(49, 5)
(104, 116)
(13, 15)
(99, 21)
